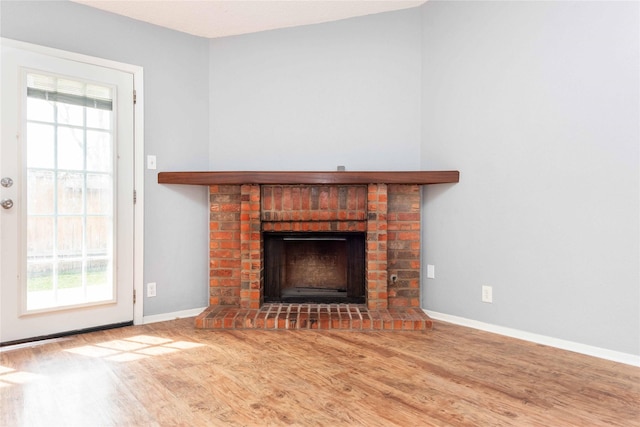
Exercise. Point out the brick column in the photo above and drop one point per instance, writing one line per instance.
(404, 245)
(224, 245)
(377, 247)
(251, 295)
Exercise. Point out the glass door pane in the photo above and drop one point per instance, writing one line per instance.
(70, 194)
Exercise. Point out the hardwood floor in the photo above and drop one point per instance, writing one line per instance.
(171, 374)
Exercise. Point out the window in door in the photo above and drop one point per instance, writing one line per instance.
(69, 192)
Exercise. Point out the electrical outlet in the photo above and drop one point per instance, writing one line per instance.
(151, 162)
(487, 294)
(151, 289)
(431, 271)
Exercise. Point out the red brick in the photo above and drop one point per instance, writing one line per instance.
(230, 207)
(296, 202)
(323, 199)
(409, 235)
(277, 198)
(305, 198)
(229, 244)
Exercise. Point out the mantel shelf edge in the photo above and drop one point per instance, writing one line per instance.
(286, 177)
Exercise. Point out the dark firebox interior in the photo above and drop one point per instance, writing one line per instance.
(314, 267)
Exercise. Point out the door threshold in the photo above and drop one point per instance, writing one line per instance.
(26, 342)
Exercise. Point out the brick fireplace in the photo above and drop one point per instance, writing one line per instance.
(246, 210)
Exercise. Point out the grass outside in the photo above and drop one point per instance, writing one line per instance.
(65, 281)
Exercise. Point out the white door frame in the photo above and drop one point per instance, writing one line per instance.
(138, 161)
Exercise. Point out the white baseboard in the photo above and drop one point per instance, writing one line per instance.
(172, 316)
(602, 353)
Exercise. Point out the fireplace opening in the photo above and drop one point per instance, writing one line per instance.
(321, 267)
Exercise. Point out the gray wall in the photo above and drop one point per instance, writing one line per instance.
(176, 130)
(314, 97)
(536, 103)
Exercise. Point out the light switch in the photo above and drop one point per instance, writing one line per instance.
(151, 162)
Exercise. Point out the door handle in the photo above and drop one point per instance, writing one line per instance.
(6, 203)
(6, 182)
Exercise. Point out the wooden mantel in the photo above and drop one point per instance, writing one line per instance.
(348, 177)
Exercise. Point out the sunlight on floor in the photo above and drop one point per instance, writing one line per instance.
(133, 348)
(124, 350)
(9, 376)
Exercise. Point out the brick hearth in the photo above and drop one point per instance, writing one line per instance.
(355, 317)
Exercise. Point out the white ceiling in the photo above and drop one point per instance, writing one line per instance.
(220, 18)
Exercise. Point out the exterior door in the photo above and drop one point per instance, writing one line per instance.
(67, 216)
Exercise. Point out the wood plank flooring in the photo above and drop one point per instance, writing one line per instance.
(171, 374)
